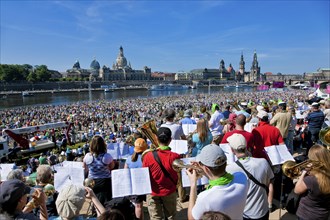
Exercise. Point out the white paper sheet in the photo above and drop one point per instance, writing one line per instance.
(72, 164)
(185, 179)
(127, 182)
(114, 150)
(121, 183)
(140, 178)
(278, 154)
(179, 146)
(231, 157)
(188, 128)
(68, 175)
(5, 169)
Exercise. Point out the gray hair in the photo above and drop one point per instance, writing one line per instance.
(16, 174)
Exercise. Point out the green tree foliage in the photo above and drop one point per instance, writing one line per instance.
(10, 73)
(25, 72)
(42, 73)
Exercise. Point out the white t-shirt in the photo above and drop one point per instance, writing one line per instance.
(229, 199)
(176, 130)
(256, 204)
(216, 128)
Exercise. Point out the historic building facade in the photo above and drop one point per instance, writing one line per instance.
(121, 70)
(229, 73)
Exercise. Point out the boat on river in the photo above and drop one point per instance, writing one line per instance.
(109, 88)
(168, 87)
(27, 94)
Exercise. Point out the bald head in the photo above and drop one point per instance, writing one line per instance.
(241, 120)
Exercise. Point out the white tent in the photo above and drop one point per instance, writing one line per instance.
(321, 94)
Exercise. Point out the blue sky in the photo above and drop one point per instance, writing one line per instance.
(169, 36)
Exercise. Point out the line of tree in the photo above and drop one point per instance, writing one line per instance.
(25, 72)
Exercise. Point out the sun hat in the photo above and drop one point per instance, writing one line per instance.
(237, 141)
(70, 201)
(212, 156)
(140, 145)
(187, 113)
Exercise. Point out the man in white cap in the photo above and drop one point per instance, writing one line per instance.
(282, 119)
(256, 206)
(226, 192)
(265, 135)
(315, 121)
(245, 111)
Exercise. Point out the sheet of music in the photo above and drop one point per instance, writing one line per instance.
(278, 154)
(188, 128)
(140, 178)
(5, 169)
(185, 179)
(179, 146)
(127, 182)
(121, 183)
(68, 175)
(114, 150)
(72, 164)
(231, 157)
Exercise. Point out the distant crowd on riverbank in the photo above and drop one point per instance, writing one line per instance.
(115, 115)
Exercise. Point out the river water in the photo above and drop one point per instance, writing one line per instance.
(13, 101)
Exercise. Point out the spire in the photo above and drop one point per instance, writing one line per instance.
(255, 56)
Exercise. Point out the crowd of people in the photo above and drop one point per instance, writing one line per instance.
(241, 190)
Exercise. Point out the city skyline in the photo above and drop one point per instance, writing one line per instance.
(291, 37)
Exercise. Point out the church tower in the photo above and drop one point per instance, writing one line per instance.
(242, 65)
(255, 69)
(222, 68)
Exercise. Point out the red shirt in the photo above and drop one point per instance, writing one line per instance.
(160, 184)
(248, 137)
(265, 135)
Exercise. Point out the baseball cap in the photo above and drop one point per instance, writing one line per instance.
(315, 104)
(164, 132)
(70, 201)
(212, 156)
(140, 145)
(187, 113)
(322, 101)
(237, 141)
(11, 191)
(282, 103)
(262, 114)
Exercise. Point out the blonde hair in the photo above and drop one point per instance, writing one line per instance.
(321, 154)
(202, 129)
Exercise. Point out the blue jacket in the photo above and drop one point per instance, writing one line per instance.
(315, 119)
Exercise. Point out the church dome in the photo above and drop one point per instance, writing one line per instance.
(121, 61)
(95, 65)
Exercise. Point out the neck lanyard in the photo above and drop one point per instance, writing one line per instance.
(224, 180)
(164, 148)
(244, 158)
